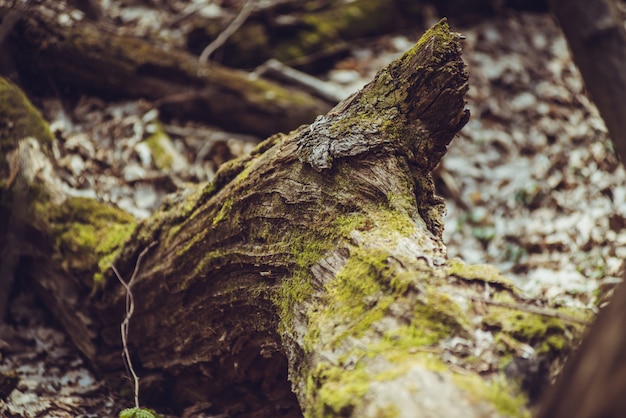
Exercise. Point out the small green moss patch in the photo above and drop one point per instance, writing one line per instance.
(340, 391)
(20, 119)
(497, 392)
(89, 234)
(479, 272)
(545, 334)
(162, 149)
(224, 211)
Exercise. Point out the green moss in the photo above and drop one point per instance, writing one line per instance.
(227, 172)
(359, 297)
(339, 393)
(309, 247)
(192, 204)
(306, 249)
(398, 341)
(338, 390)
(356, 298)
(441, 315)
(385, 93)
(224, 211)
(390, 411)
(404, 203)
(367, 287)
(210, 189)
(89, 234)
(19, 119)
(249, 167)
(365, 273)
(139, 413)
(386, 221)
(322, 29)
(545, 334)
(440, 34)
(515, 327)
(497, 392)
(161, 148)
(433, 320)
(343, 388)
(479, 272)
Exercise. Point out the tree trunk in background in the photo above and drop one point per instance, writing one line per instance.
(93, 58)
(593, 381)
(597, 38)
(309, 35)
(319, 257)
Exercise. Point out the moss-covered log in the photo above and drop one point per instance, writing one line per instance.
(314, 34)
(92, 57)
(307, 34)
(310, 277)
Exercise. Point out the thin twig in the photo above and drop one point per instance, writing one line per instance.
(130, 309)
(272, 68)
(226, 33)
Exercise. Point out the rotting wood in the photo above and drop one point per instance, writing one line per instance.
(319, 256)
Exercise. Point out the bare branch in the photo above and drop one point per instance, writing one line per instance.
(130, 309)
(227, 33)
(275, 69)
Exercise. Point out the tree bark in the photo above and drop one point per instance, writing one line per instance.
(597, 38)
(93, 58)
(319, 257)
(594, 378)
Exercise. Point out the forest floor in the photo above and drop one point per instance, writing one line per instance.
(531, 183)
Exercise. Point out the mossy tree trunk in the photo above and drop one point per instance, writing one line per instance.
(318, 258)
(309, 35)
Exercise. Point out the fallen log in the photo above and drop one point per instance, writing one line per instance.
(309, 277)
(307, 35)
(91, 57)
